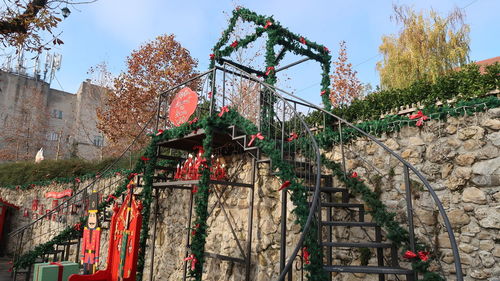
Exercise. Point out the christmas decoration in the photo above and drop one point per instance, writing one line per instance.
(253, 137)
(409, 255)
(292, 137)
(59, 195)
(183, 106)
(305, 256)
(124, 241)
(421, 118)
(423, 256)
(193, 260)
(223, 110)
(54, 271)
(91, 241)
(285, 185)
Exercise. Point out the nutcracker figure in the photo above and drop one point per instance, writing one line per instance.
(91, 238)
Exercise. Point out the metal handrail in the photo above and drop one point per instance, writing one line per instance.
(316, 194)
(107, 168)
(407, 165)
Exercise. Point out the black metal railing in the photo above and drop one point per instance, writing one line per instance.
(410, 177)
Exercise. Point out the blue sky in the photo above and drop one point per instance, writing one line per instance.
(109, 30)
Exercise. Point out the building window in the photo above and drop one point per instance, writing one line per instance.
(57, 114)
(53, 136)
(98, 141)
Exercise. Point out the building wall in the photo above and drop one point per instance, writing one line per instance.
(64, 122)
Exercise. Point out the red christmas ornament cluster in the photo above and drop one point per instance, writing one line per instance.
(189, 170)
(423, 256)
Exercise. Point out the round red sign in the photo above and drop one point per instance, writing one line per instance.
(183, 106)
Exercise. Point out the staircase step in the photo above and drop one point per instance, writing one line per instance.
(357, 245)
(168, 157)
(368, 269)
(313, 176)
(328, 189)
(342, 205)
(349, 223)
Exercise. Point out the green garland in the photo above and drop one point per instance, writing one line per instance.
(394, 123)
(277, 35)
(65, 180)
(384, 218)
(467, 83)
(70, 232)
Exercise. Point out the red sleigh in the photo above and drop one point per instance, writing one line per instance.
(123, 245)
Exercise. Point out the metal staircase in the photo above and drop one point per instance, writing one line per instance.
(332, 207)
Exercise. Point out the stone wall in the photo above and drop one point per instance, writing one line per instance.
(461, 159)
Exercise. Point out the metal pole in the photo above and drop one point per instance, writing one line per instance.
(224, 85)
(212, 99)
(292, 64)
(157, 194)
(409, 209)
(250, 223)
(188, 236)
(342, 146)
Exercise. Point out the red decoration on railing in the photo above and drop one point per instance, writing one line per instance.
(193, 121)
(193, 260)
(212, 56)
(286, 184)
(421, 118)
(268, 24)
(223, 110)
(409, 255)
(322, 93)
(269, 69)
(326, 49)
(77, 226)
(253, 137)
(424, 256)
(292, 137)
(195, 229)
(302, 40)
(354, 175)
(305, 255)
(78, 180)
(160, 131)
(234, 44)
(144, 158)
(111, 196)
(132, 175)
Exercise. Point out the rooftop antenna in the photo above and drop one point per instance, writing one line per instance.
(56, 65)
(48, 64)
(36, 70)
(7, 65)
(20, 61)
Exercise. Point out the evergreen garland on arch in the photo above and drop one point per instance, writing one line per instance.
(277, 36)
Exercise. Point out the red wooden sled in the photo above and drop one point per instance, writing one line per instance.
(126, 221)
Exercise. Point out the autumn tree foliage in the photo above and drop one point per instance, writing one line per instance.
(152, 69)
(426, 47)
(30, 25)
(345, 85)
